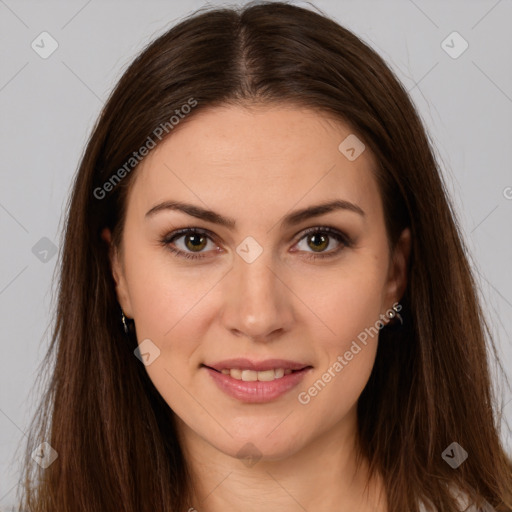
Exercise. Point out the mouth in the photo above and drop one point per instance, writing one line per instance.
(251, 382)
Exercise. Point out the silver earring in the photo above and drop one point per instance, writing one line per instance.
(395, 326)
(125, 325)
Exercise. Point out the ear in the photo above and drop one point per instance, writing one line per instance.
(397, 276)
(118, 274)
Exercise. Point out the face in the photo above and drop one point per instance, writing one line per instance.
(255, 280)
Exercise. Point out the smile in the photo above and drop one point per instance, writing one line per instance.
(253, 386)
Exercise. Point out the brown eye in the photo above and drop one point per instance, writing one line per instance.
(188, 243)
(318, 239)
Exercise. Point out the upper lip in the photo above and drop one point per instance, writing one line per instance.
(248, 364)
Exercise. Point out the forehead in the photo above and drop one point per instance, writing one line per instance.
(245, 159)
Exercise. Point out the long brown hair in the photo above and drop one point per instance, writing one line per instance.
(430, 386)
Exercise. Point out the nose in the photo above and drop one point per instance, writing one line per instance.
(258, 304)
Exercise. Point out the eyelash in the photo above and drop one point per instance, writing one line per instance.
(340, 237)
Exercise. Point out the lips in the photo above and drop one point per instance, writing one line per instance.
(256, 381)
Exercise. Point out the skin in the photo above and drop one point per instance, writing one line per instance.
(257, 165)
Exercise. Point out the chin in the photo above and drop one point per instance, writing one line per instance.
(259, 446)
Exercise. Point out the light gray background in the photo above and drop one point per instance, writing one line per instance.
(48, 107)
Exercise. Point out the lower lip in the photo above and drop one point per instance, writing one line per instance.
(256, 391)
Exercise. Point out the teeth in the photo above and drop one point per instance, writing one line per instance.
(251, 375)
(236, 373)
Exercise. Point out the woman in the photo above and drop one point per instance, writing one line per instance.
(265, 298)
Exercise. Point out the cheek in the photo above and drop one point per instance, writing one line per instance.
(346, 301)
(168, 303)
(164, 295)
(345, 358)
(348, 304)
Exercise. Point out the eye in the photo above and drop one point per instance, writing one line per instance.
(318, 238)
(194, 240)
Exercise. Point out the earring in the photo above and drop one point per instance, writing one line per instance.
(125, 324)
(396, 326)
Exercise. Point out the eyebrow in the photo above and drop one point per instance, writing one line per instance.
(291, 219)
